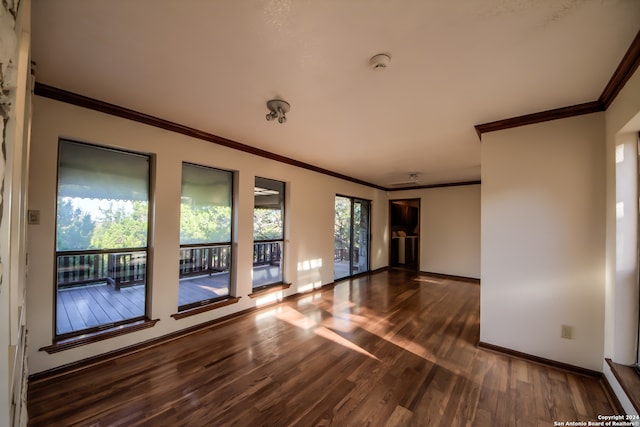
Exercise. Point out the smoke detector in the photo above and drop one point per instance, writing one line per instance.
(380, 61)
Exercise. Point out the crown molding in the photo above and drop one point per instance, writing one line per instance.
(126, 113)
(542, 116)
(626, 68)
(72, 98)
(448, 184)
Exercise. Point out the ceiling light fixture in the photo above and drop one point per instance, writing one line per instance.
(277, 110)
(380, 61)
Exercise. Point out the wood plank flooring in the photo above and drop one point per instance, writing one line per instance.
(381, 350)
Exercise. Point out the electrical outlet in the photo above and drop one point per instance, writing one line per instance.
(566, 332)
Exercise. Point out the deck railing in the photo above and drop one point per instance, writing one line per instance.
(118, 269)
(267, 253)
(195, 261)
(127, 269)
(130, 268)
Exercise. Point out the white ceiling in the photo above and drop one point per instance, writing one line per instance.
(213, 64)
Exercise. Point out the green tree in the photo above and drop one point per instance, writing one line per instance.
(74, 227)
(342, 229)
(122, 229)
(204, 224)
(267, 224)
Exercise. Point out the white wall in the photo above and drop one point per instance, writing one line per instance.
(449, 229)
(543, 239)
(310, 214)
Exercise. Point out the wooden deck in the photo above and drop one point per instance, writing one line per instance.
(199, 288)
(92, 305)
(382, 350)
(97, 304)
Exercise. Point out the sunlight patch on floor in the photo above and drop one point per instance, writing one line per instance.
(309, 299)
(342, 320)
(339, 306)
(310, 287)
(295, 318)
(268, 299)
(330, 335)
(339, 323)
(428, 280)
(262, 315)
(367, 320)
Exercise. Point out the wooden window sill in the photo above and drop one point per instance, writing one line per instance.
(93, 337)
(206, 307)
(269, 289)
(629, 381)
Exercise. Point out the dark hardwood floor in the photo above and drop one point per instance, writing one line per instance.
(383, 350)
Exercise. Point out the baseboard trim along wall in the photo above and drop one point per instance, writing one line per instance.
(541, 360)
(451, 277)
(606, 387)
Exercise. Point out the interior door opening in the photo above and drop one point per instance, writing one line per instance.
(404, 218)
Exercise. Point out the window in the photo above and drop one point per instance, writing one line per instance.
(351, 236)
(268, 232)
(205, 235)
(102, 227)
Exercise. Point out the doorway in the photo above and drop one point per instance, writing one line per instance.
(351, 237)
(404, 223)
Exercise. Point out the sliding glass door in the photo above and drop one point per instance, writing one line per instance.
(351, 236)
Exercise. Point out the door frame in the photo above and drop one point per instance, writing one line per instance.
(353, 199)
(419, 237)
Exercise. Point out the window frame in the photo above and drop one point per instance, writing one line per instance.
(185, 308)
(105, 330)
(281, 240)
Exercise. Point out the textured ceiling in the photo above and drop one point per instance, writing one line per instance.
(213, 64)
